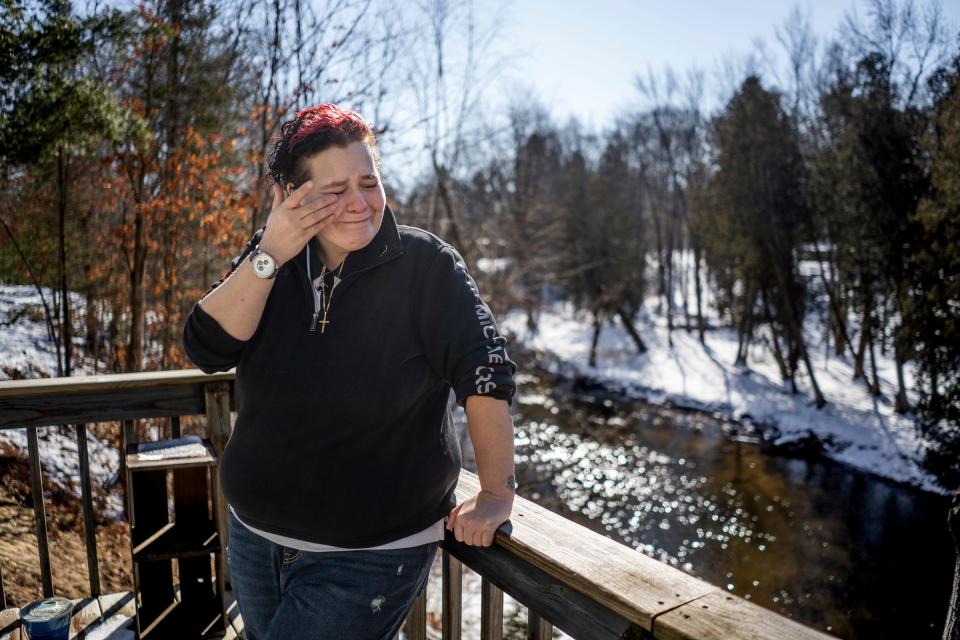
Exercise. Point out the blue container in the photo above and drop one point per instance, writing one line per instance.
(47, 619)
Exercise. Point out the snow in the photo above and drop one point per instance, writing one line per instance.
(492, 265)
(854, 428)
(116, 627)
(26, 344)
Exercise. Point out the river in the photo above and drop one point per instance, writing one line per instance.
(847, 552)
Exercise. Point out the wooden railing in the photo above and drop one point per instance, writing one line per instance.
(567, 576)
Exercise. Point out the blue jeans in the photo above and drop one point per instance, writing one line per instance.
(288, 593)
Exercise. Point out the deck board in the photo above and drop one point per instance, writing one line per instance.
(10, 624)
(86, 617)
(104, 616)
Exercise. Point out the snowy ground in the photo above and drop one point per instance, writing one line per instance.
(26, 346)
(853, 428)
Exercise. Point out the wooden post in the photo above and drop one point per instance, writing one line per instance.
(452, 600)
(416, 626)
(89, 526)
(491, 610)
(129, 435)
(537, 627)
(952, 629)
(217, 396)
(39, 514)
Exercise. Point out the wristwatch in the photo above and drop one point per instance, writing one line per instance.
(264, 264)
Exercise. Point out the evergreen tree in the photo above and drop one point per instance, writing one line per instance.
(52, 116)
(867, 182)
(758, 218)
(932, 309)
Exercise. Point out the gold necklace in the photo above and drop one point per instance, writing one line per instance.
(324, 301)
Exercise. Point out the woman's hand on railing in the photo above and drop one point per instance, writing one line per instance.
(475, 521)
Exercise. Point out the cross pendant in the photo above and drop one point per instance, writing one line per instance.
(323, 324)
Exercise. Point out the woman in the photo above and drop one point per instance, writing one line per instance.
(348, 332)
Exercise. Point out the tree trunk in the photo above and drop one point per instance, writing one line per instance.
(842, 339)
(625, 318)
(661, 276)
(137, 302)
(858, 373)
(858, 358)
(91, 323)
(746, 330)
(951, 630)
(669, 292)
(454, 230)
(742, 344)
(785, 375)
(696, 272)
(597, 325)
(817, 394)
(113, 332)
(171, 218)
(875, 388)
(66, 328)
(795, 321)
(902, 405)
(529, 310)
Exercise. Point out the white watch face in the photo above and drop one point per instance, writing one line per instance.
(263, 265)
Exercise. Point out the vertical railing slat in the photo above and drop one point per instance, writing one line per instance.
(128, 438)
(217, 399)
(89, 526)
(491, 610)
(174, 427)
(452, 600)
(416, 625)
(39, 514)
(537, 627)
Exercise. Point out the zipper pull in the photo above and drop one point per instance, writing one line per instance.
(314, 321)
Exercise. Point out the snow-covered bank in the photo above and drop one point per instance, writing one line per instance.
(853, 428)
(26, 349)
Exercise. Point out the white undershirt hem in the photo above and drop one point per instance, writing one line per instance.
(433, 533)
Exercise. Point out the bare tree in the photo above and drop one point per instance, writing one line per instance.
(348, 55)
(449, 73)
(913, 40)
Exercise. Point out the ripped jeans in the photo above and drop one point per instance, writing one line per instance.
(288, 593)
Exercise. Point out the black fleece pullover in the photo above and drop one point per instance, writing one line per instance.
(344, 437)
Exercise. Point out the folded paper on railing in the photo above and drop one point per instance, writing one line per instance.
(185, 447)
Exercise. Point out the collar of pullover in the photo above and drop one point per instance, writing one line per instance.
(384, 247)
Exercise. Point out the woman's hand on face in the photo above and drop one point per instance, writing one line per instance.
(475, 521)
(296, 219)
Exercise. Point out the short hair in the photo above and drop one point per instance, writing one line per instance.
(312, 130)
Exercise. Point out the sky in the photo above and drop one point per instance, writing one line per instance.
(582, 57)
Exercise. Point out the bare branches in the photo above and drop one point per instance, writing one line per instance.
(910, 41)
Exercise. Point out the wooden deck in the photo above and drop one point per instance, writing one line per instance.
(108, 617)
